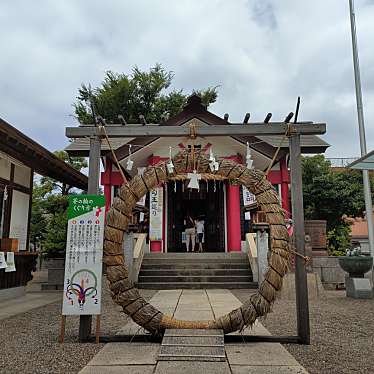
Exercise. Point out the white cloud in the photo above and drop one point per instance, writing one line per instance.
(263, 54)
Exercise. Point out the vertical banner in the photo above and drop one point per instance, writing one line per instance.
(84, 253)
(3, 264)
(248, 197)
(10, 264)
(156, 202)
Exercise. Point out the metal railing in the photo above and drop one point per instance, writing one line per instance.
(341, 162)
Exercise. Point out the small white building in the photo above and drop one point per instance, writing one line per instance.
(20, 158)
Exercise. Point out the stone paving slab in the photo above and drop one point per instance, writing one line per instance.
(237, 369)
(256, 329)
(197, 315)
(259, 354)
(183, 353)
(126, 354)
(180, 367)
(261, 358)
(119, 369)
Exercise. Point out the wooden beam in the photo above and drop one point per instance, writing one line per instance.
(288, 118)
(268, 117)
(246, 117)
(254, 129)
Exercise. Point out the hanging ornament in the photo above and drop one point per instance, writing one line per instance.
(211, 165)
(211, 155)
(207, 186)
(215, 186)
(248, 157)
(170, 165)
(216, 165)
(175, 186)
(130, 162)
(194, 180)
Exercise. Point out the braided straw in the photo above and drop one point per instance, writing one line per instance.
(125, 294)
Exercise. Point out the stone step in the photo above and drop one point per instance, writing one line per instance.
(194, 271)
(192, 345)
(198, 259)
(197, 285)
(176, 266)
(211, 255)
(195, 278)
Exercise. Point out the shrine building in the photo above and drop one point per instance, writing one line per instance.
(225, 207)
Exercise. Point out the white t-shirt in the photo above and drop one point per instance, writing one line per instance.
(200, 227)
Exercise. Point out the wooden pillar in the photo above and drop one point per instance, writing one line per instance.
(233, 218)
(106, 181)
(301, 285)
(85, 321)
(285, 179)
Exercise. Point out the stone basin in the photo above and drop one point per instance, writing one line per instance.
(356, 266)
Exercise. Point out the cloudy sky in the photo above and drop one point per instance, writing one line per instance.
(261, 53)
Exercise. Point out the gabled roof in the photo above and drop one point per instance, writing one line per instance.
(365, 162)
(81, 146)
(19, 146)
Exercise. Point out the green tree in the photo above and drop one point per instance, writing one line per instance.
(50, 185)
(329, 194)
(49, 219)
(141, 92)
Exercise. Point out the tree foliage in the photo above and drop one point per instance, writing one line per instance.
(49, 204)
(50, 185)
(141, 92)
(329, 194)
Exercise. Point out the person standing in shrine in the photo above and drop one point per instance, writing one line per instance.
(200, 232)
(190, 230)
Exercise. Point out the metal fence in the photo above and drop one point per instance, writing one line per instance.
(341, 162)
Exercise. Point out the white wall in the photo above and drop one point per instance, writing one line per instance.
(19, 218)
(4, 168)
(22, 175)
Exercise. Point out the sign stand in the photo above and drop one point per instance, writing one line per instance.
(61, 338)
(83, 266)
(62, 329)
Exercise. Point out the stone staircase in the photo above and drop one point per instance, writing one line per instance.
(195, 270)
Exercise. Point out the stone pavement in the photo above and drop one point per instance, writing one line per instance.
(22, 304)
(139, 358)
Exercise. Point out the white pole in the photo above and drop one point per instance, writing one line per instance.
(361, 126)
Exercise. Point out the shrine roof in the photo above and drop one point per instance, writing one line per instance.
(195, 109)
(19, 146)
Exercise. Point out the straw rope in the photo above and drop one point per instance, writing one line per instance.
(103, 129)
(125, 294)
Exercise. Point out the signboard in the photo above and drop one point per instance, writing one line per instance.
(10, 264)
(84, 253)
(156, 202)
(249, 198)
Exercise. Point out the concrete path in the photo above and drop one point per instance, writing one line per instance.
(22, 304)
(139, 358)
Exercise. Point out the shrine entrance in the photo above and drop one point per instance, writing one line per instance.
(206, 204)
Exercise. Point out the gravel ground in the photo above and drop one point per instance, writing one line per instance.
(342, 336)
(342, 333)
(28, 342)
